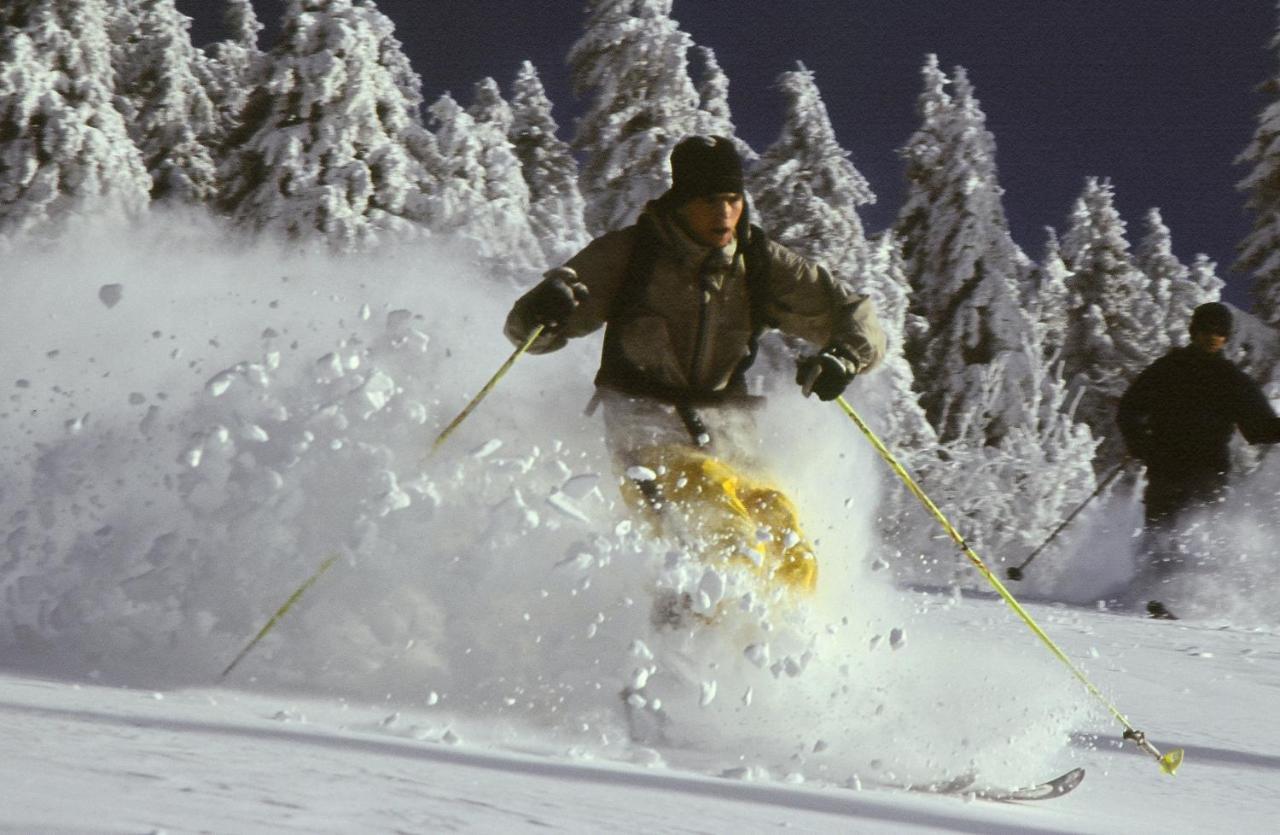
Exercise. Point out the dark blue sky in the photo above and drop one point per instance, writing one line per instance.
(1160, 96)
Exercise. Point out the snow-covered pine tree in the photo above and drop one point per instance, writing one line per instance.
(805, 187)
(1154, 256)
(1260, 249)
(63, 145)
(229, 72)
(964, 267)
(165, 104)
(505, 222)
(551, 173)
(714, 117)
(1047, 300)
(1116, 326)
(632, 60)
(324, 148)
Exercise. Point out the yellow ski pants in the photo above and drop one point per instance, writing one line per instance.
(736, 519)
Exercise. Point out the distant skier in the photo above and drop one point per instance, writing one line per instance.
(684, 294)
(1178, 418)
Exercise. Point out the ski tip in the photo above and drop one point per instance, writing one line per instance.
(1169, 762)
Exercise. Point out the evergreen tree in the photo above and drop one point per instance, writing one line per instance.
(1116, 326)
(1048, 300)
(964, 268)
(330, 141)
(233, 62)
(551, 173)
(805, 187)
(459, 204)
(63, 145)
(1154, 256)
(1260, 250)
(506, 194)
(1200, 285)
(714, 117)
(166, 107)
(632, 59)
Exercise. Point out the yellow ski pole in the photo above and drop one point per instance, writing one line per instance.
(293, 598)
(328, 563)
(493, 381)
(1168, 762)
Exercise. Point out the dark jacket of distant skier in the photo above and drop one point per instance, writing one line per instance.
(683, 295)
(1180, 413)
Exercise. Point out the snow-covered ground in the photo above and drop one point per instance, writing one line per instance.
(188, 430)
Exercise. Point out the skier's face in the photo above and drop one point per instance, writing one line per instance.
(1208, 342)
(712, 218)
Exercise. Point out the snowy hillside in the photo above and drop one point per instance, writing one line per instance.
(188, 433)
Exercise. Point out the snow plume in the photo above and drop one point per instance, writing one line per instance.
(189, 430)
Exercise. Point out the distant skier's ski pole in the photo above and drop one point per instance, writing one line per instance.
(293, 598)
(1168, 762)
(1015, 572)
(493, 381)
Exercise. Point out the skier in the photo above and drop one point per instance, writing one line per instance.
(684, 294)
(1178, 418)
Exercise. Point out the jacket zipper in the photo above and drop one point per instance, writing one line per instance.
(700, 338)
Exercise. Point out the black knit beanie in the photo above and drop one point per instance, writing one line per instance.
(702, 165)
(1213, 317)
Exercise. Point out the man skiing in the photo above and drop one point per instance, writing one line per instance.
(1178, 418)
(684, 294)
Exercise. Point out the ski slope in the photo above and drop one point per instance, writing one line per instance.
(190, 428)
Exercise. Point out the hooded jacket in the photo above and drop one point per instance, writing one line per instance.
(689, 330)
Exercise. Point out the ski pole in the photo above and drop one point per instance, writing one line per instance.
(1015, 572)
(493, 381)
(293, 598)
(1168, 762)
(325, 566)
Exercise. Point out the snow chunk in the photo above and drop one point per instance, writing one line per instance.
(376, 392)
(897, 637)
(220, 382)
(110, 294)
(565, 505)
(487, 448)
(708, 693)
(638, 473)
(580, 485)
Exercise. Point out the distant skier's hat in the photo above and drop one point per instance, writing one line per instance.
(1213, 317)
(702, 165)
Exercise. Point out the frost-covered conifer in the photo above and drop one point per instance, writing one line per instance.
(632, 60)
(805, 187)
(1200, 285)
(507, 202)
(555, 204)
(459, 204)
(964, 268)
(1154, 256)
(1048, 298)
(1260, 250)
(714, 117)
(1116, 327)
(166, 107)
(63, 145)
(229, 72)
(330, 139)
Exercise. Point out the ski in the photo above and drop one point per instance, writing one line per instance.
(963, 786)
(1057, 787)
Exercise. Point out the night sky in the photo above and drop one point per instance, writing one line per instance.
(1160, 96)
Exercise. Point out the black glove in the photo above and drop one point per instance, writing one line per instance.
(552, 302)
(826, 374)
